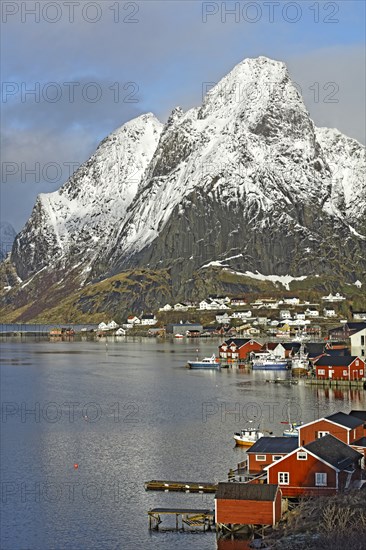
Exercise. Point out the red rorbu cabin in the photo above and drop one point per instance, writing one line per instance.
(267, 450)
(343, 426)
(339, 367)
(247, 504)
(237, 349)
(323, 467)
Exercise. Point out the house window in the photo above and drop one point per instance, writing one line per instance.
(320, 479)
(321, 371)
(357, 362)
(361, 372)
(345, 373)
(283, 478)
(277, 457)
(362, 340)
(260, 457)
(322, 434)
(302, 456)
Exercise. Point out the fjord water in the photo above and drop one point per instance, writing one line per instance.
(85, 423)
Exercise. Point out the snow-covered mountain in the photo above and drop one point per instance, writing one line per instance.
(75, 224)
(7, 236)
(245, 176)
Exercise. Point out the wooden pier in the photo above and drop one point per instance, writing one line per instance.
(360, 384)
(189, 517)
(183, 486)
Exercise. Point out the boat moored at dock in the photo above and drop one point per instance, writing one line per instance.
(269, 362)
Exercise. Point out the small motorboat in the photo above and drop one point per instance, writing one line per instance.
(248, 436)
(205, 363)
(293, 431)
(178, 336)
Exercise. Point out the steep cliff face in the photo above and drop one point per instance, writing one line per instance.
(7, 236)
(74, 225)
(246, 181)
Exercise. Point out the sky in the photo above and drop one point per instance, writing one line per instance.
(73, 71)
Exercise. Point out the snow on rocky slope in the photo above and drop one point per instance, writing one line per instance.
(74, 224)
(246, 174)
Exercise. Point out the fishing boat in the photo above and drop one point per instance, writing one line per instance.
(247, 437)
(300, 363)
(269, 362)
(205, 363)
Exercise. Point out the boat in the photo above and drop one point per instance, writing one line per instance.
(178, 336)
(248, 436)
(269, 362)
(205, 363)
(293, 431)
(300, 362)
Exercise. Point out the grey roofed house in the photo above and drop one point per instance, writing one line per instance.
(175, 328)
(246, 491)
(314, 348)
(344, 419)
(274, 445)
(334, 452)
(335, 360)
(360, 442)
(358, 414)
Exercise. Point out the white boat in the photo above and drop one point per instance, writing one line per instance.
(205, 363)
(293, 431)
(179, 336)
(248, 436)
(269, 362)
(300, 362)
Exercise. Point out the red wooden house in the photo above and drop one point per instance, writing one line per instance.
(323, 467)
(267, 450)
(344, 427)
(340, 367)
(360, 444)
(247, 504)
(362, 416)
(237, 349)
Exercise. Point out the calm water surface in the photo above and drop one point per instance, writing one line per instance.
(125, 412)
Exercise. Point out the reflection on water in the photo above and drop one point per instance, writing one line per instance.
(85, 424)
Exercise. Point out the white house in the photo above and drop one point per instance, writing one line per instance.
(120, 332)
(294, 301)
(133, 320)
(336, 298)
(299, 316)
(102, 326)
(329, 312)
(212, 305)
(358, 343)
(241, 314)
(112, 325)
(180, 307)
(285, 314)
(310, 312)
(167, 307)
(149, 320)
(359, 315)
(223, 318)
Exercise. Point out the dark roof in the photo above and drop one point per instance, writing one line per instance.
(339, 352)
(360, 442)
(148, 316)
(246, 491)
(237, 341)
(333, 451)
(274, 445)
(356, 326)
(314, 348)
(359, 414)
(291, 345)
(335, 360)
(345, 420)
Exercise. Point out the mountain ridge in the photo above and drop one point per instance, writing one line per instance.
(246, 174)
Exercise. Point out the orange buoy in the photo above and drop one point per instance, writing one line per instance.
(76, 466)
